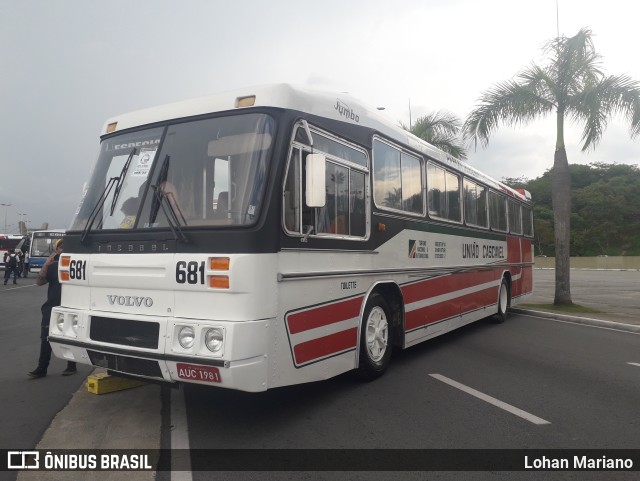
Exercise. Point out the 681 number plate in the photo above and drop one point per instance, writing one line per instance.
(193, 372)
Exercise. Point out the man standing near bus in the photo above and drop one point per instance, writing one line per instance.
(49, 275)
(11, 261)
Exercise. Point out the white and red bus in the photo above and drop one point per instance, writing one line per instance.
(9, 242)
(273, 236)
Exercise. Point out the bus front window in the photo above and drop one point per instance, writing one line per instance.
(200, 173)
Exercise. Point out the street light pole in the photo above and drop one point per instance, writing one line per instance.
(5, 215)
(20, 216)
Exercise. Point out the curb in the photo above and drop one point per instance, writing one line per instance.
(579, 320)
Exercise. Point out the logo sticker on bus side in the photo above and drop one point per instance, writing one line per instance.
(418, 249)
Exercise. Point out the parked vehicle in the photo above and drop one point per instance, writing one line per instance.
(8, 242)
(42, 246)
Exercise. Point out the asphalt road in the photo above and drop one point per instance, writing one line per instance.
(27, 406)
(576, 378)
(527, 383)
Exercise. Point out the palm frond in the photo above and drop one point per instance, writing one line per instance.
(440, 122)
(612, 95)
(511, 102)
(440, 129)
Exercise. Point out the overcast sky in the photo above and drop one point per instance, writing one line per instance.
(68, 65)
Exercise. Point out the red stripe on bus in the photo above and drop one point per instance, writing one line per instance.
(324, 315)
(513, 250)
(325, 346)
(527, 251)
(447, 284)
(451, 308)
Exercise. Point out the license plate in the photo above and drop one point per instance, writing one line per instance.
(194, 372)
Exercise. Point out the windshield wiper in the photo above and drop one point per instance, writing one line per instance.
(98, 206)
(162, 199)
(162, 177)
(103, 197)
(121, 177)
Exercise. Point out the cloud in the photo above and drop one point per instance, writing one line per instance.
(68, 66)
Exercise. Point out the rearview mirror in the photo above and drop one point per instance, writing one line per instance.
(315, 194)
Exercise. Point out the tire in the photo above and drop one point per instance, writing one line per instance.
(375, 338)
(504, 300)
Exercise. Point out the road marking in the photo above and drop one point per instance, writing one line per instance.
(19, 287)
(634, 364)
(491, 400)
(180, 436)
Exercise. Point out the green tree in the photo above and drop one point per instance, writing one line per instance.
(441, 129)
(573, 86)
(605, 209)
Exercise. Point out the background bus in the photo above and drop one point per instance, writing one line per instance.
(42, 246)
(274, 236)
(9, 242)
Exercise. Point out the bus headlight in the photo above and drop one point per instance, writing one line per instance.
(75, 321)
(186, 337)
(213, 339)
(59, 321)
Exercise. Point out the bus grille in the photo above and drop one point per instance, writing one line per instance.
(125, 364)
(125, 332)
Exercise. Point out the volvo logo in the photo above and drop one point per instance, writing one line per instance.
(132, 301)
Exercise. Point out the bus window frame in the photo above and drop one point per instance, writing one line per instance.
(531, 225)
(514, 203)
(330, 158)
(486, 203)
(460, 177)
(506, 211)
(423, 180)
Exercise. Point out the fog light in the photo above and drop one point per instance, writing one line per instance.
(186, 336)
(213, 339)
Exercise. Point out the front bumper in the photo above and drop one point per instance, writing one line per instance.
(242, 364)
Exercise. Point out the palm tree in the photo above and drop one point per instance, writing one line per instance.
(440, 129)
(574, 86)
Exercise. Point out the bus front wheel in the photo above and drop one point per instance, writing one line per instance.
(503, 301)
(375, 345)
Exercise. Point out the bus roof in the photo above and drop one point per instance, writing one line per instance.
(337, 106)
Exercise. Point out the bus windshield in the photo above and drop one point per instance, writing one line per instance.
(7, 243)
(197, 173)
(43, 246)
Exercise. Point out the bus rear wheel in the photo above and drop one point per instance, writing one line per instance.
(375, 345)
(503, 301)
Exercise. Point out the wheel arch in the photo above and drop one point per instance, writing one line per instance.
(392, 294)
(507, 276)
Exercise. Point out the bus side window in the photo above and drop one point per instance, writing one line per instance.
(333, 218)
(357, 208)
(221, 188)
(345, 209)
(292, 194)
